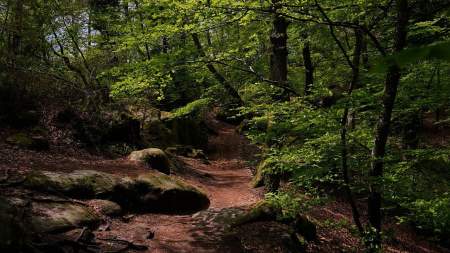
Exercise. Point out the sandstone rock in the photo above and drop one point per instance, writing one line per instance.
(160, 193)
(81, 184)
(265, 211)
(153, 157)
(149, 192)
(50, 217)
(106, 207)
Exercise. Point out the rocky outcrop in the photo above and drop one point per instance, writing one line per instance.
(265, 211)
(149, 192)
(80, 184)
(53, 216)
(24, 219)
(155, 192)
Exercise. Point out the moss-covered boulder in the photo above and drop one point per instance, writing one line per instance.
(188, 131)
(154, 158)
(187, 124)
(187, 151)
(24, 140)
(156, 192)
(156, 134)
(262, 211)
(266, 211)
(149, 192)
(81, 184)
(51, 217)
(13, 234)
(24, 217)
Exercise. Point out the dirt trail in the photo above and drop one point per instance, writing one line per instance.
(225, 180)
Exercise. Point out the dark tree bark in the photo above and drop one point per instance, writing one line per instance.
(278, 71)
(365, 53)
(279, 52)
(309, 68)
(383, 126)
(231, 91)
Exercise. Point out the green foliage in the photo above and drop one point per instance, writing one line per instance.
(141, 54)
(432, 215)
(435, 51)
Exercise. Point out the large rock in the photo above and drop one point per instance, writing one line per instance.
(113, 127)
(265, 211)
(153, 157)
(51, 217)
(188, 131)
(149, 192)
(22, 218)
(162, 193)
(80, 184)
(156, 134)
(13, 234)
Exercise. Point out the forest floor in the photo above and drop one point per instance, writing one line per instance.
(226, 180)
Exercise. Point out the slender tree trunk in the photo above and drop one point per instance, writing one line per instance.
(383, 126)
(309, 68)
(344, 128)
(365, 53)
(208, 33)
(141, 21)
(231, 91)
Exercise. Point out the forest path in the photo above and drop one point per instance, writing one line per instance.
(226, 181)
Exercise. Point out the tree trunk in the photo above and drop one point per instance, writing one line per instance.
(279, 54)
(309, 68)
(344, 128)
(383, 126)
(141, 21)
(231, 91)
(278, 72)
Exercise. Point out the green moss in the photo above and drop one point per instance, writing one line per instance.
(263, 211)
(164, 182)
(258, 178)
(194, 109)
(55, 217)
(80, 184)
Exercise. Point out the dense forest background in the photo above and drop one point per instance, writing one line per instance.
(345, 99)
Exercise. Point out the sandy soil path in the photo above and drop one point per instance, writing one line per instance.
(225, 180)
